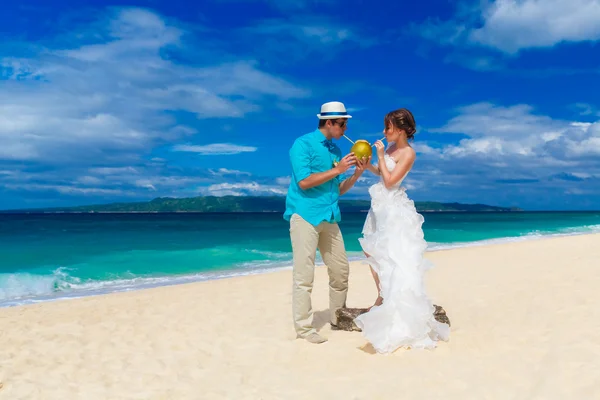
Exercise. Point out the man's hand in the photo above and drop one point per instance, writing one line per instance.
(345, 163)
(320, 178)
(362, 165)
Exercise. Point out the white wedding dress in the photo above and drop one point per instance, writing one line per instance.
(393, 238)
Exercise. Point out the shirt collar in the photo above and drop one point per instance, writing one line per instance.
(322, 139)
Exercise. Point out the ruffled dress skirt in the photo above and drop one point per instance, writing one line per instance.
(393, 238)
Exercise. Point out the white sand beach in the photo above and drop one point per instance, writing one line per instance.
(525, 325)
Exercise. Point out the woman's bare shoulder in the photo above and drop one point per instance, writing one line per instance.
(404, 153)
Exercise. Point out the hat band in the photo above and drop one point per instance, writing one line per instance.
(325, 114)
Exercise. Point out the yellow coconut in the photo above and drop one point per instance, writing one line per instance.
(362, 149)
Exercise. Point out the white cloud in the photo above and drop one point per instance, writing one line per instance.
(313, 32)
(141, 181)
(107, 92)
(512, 155)
(243, 78)
(423, 148)
(487, 119)
(109, 171)
(69, 189)
(476, 62)
(283, 180)
(215, 149)
(243, 189)
(145, 183)
(586, 147)
(134, 29)
(513, 25)
(88, 180)
(443, 32)
(518, 131)
(586, 109)
(285, 41)
(487, 146)
(225, 172)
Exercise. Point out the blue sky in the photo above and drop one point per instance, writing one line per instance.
(104, 101)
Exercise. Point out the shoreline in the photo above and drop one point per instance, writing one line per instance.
(142, 283)
(524, 323)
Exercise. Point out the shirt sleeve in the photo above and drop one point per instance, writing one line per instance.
(301, 157)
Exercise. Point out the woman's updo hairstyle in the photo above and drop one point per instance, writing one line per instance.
(401, 119)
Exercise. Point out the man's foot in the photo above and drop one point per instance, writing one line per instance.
(315, 338)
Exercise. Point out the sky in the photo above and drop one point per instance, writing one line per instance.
(106, 101)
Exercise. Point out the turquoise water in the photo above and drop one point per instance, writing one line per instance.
(47, 256)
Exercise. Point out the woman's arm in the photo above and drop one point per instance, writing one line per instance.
(402, 167)
(373, 169)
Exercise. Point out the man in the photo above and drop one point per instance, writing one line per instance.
(313, 211)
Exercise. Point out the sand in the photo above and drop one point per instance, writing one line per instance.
(525, 325)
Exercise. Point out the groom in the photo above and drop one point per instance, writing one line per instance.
(312, 209)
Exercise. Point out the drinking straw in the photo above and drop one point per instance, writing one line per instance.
(348, 139)
(379, 139)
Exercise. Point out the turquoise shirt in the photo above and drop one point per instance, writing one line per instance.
(310, 154)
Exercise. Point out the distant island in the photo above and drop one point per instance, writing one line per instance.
(213, 204)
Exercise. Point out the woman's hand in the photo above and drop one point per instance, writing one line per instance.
(380, 148)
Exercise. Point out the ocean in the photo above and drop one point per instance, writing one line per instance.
(50, 256)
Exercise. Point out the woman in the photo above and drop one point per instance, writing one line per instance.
(393, 242)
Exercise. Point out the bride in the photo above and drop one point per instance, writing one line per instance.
(393, 242)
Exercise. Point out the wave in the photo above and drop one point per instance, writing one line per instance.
(18, 285)
(533, 235)
(26, 288)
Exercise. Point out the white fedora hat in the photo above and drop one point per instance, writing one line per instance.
(333, 110)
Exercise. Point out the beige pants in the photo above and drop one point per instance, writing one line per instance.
(306, 238)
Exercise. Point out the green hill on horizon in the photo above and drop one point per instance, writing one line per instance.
(213, 204)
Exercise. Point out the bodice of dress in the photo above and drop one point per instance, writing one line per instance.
(390, 165)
